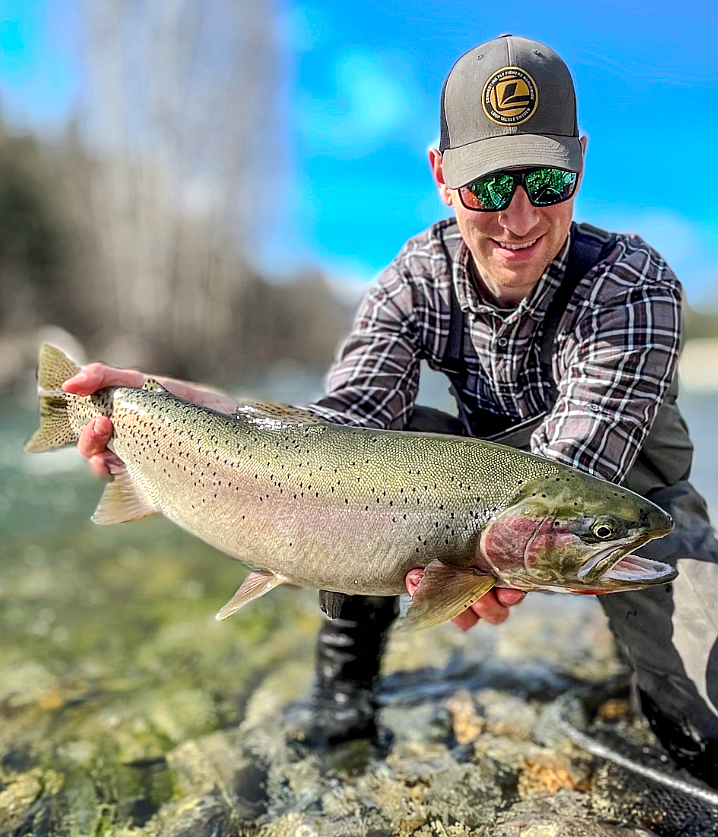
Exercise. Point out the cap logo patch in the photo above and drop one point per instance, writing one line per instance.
(510, 96)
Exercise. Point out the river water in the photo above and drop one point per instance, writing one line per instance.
(111, 662)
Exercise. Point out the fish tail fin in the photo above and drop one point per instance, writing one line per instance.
(54, 368)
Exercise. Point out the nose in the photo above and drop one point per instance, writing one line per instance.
(520, 217)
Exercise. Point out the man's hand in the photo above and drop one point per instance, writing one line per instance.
(93, 440)
(493, 607)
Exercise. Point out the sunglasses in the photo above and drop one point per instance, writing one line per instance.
(493, 192)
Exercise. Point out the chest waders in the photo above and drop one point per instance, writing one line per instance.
(668, 631)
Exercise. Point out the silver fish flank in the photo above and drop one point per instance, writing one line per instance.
(300, 500)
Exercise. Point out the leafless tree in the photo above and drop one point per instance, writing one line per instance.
(180, 112)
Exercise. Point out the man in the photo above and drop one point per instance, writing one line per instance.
(558, 338)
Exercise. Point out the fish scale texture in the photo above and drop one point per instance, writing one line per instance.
(289, 495)
(352, 510)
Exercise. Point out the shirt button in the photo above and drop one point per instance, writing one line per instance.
(594, 407)
(502, 341)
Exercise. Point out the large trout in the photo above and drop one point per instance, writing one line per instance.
(352, 510)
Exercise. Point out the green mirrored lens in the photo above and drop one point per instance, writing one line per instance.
(544, 187)
(493, 192)
(548, 186)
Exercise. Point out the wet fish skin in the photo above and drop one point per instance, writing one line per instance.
(352, 510)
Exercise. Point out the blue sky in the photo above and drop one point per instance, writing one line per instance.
(363, 81)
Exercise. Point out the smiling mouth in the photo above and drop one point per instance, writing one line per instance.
(507, 246)
(516, 246)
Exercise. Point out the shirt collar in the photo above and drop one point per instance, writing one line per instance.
(534, 305)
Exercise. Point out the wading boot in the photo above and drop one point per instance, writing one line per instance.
(683, 743)
(343, 706)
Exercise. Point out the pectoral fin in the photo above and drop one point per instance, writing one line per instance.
(444, 592)
(253, 586)
(121, 501)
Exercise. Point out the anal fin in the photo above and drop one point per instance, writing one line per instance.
(121, 501)
(444, 592)
(253, 586)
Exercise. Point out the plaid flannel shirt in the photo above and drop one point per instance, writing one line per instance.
(615, 351)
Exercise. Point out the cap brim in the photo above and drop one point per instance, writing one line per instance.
(464, 164)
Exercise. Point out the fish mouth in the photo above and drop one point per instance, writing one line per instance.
(616, 564)
(635, 569)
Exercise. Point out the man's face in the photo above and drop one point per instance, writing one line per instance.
(509, 274)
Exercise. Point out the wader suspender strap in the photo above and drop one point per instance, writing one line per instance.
(453, 359)
(454, 354)
(585, 252)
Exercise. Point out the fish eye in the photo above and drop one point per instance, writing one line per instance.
(604, 529)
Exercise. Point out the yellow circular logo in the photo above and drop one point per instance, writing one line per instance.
(510, 96)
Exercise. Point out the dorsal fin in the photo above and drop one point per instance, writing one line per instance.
(267, 412)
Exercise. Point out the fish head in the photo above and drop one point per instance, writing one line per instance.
(575, 533)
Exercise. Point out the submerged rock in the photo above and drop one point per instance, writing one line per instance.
(26, 799)
(556, 826)
(163, 723)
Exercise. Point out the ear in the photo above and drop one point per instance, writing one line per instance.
(438, 173)
(584, 144)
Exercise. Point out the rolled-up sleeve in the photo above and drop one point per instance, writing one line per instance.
(375, 378)
(615, 368)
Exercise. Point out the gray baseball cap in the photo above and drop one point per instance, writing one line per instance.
(507, 102)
